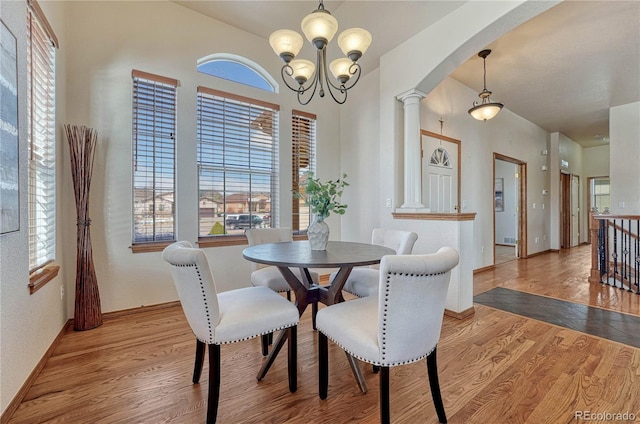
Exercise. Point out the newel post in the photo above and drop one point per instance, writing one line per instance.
(594, 276)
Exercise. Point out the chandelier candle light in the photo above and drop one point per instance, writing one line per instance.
(320, 27)
(487, 109)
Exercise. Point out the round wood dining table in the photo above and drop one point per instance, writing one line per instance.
(343, 255)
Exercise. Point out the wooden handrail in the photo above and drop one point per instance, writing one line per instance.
(608, 216)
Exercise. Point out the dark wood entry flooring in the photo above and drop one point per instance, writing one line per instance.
(598, 322)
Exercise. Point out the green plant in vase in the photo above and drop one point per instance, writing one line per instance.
(323, 199)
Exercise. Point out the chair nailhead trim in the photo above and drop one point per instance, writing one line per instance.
(387, 292)
(381, 363)
(210, 341)
(204, 298)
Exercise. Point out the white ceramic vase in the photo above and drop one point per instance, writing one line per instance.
(318, 233)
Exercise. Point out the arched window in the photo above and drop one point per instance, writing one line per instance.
(440, 157)
(237, 69)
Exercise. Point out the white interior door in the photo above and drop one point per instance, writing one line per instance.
(440, 174)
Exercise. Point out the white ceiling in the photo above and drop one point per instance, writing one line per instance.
(562, 70)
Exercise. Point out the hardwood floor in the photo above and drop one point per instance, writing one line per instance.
(494, 367)
(560, 275)
(504, 254)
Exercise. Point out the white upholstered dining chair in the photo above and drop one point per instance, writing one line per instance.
(270, 276)
(399, 326)
(363, 281)
(226, 317)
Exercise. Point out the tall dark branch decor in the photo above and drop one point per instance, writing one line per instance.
(82, 142)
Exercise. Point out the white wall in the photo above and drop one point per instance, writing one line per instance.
(572, 153)
(595, 163)
(359, 149)
(624, 134)
(108, 40)
(506, 219)
(443, 47)
(29, 322)
(507, 134)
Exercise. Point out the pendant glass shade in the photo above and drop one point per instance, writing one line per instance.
(319, 25)
(340, 69)
(302, 70)
(485, 111)
(286, 42)
(354, 40)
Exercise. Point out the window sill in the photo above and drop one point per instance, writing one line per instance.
(149, 247)
(203, 242)
(42, 276)
(234, 240)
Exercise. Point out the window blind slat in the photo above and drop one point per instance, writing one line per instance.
(237, 161)
(303, 145)
(154, 128)
(41, 144)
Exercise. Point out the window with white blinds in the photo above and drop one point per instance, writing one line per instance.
(303, 157)
(41, 135)
(154, 153)
(237, 141)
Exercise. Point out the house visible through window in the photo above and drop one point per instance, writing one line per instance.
(303, 150)
(41, 135)
(237, 140)
(154, 147)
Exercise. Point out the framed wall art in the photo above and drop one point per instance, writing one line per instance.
(9, 174)
(499, 195)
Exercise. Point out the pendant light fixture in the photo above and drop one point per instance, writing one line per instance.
(486, 109)
(319, 27)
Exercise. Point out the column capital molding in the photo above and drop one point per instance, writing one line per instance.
(414, 93)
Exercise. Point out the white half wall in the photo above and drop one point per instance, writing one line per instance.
(624, 135)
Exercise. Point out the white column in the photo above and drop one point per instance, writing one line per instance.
(412, 155)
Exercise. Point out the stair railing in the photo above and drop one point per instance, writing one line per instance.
(615, 250)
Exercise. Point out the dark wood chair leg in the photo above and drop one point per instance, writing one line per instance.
(293, 358)
(214, 383)
(197, 367)
(323, 365)
(385, 413)
(434, 384)
(376, 368)
(314, 312)
(265, 344)
(289, 295)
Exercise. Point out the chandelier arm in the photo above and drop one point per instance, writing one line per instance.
(301, 89)
(288, 71)
(341, 90)
(322, 60)
(302, 92)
